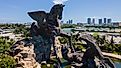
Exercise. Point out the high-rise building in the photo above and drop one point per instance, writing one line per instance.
(93, 20)
(71, 21)
(61, 22)
(100, 21)
(89, 20)
(109, 20)
(67, 22)
(105, 20)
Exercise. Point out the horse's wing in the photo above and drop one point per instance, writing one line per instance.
(37, 15)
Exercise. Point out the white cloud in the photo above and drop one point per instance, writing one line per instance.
(59, 1)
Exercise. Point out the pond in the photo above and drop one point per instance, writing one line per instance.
(118, 64)
(67, 30)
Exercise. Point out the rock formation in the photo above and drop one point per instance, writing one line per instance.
(23, 52)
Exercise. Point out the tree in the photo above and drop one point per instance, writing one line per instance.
(68, 26)
(6, 61)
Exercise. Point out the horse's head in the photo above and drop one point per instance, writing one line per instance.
(57, 10)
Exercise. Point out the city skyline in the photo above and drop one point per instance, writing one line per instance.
(78, 11)
(99, 20)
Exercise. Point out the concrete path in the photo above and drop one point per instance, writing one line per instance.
(112, 55)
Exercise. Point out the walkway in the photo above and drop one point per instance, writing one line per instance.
(112, 55)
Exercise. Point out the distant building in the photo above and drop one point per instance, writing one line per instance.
(100, 21)
(109, 20)
(62, 22)
(80, 24)
(69, 22)
(105, 20)
(117, 24)
(89, 20)
(93, 20)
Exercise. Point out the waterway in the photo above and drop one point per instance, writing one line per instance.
(68, 30)
(118, 64)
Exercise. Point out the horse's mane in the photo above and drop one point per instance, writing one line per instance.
(52, 11)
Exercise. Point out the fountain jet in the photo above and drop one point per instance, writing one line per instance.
(59, 1)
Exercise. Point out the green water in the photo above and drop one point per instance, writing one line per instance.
(118, 64)
(67, 30)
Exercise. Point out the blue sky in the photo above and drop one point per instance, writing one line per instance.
(78, 10)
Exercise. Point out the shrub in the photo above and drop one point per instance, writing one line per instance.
(7, 61)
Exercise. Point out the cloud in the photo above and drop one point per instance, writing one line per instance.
(59, 1)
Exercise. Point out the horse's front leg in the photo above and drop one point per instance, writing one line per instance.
(59, 63)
